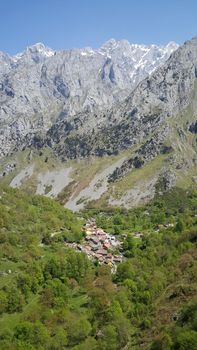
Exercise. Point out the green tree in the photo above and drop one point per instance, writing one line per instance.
(179, 225)
(163, 342)
(117, 220)
(3, 301)
(59, 339)
(15, 300)
(109, 338)
(187, 340)
(35, 334)
(78, 328)
(124, 329)
(124, 271)
(89, 344)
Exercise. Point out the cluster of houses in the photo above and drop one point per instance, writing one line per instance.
(99, 245)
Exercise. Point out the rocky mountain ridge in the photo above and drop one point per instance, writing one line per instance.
(164, 94)
(151, 132)
(40, 86)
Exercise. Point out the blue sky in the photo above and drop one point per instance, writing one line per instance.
(78, 23)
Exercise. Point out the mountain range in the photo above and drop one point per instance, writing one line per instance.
(40, 86)
(107, 126)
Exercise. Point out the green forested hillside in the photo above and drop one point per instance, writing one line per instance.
(52, 297)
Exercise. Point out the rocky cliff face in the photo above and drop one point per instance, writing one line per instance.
(145, 111)
(105, 115)
(40, 86)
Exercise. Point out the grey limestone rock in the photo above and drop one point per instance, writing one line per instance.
(39, 87)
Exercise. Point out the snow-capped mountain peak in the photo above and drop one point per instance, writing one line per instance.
(42, 49)
(79, 80)
(37, 52)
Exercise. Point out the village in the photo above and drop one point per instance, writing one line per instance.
(99, 245)
(104, 247)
